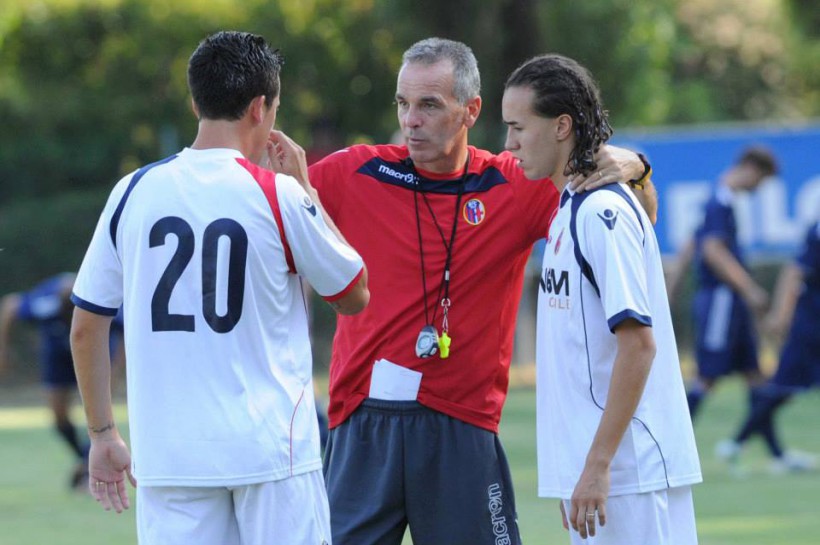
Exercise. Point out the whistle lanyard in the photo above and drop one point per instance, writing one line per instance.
(444, 287)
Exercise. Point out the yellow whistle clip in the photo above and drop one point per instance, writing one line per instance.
(444, 345)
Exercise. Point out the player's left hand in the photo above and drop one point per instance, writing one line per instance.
(588, 500)
(563, 514)
(109, 463)
(614, 165)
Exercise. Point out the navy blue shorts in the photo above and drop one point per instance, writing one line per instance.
(395, 464)
(799, 365)
(57, 369)
(725, 339)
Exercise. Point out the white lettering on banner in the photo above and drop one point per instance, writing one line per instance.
(807, 203)
(763, 219)
(684, 201)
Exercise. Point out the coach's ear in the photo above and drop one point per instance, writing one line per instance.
(473, 111)
(194, 108)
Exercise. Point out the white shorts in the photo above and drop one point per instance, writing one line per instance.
(292, 510)
(663, 517)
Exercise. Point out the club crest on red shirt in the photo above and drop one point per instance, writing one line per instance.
(474, 211)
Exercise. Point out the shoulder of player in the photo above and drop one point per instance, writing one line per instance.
(603, 197)
(608, 198)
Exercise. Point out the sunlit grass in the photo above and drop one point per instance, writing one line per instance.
(757, 509)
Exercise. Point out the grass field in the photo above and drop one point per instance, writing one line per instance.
(758, 509)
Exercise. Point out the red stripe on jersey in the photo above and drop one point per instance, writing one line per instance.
(267, 182)
(331, 298)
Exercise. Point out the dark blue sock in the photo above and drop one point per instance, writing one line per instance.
(69, 435)
(763, 402)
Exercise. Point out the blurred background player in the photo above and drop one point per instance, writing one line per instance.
(796, 311)
(48, 306)
(727, 295)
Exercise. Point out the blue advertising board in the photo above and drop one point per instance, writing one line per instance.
(688, 162)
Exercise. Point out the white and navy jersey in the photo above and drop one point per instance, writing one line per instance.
(602, 266)
(205, 251)
(806, 319)
(718, 222)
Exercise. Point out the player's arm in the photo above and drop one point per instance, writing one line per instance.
(616, 253)
(356, 299)
(679, 268)
(791, 281)
(726, 267)
(92, 363)
(633, 360)
(617, 165)
(288, 157)
(786, 293)
(9, 306)
(647, 195)
(109, 459)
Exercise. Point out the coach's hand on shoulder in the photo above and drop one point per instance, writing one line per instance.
(620, 165)
(614, 165)
(287, 157)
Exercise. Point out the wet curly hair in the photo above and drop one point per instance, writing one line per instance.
(562, 86)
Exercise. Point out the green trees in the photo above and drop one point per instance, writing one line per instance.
(90, 89)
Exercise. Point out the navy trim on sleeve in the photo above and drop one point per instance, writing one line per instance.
(575, 204)
(586, 268)
(625, 315)
(91, 307)
(115, 218)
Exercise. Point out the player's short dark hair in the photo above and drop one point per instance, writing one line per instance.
(228, 70)
(562, 86)
(761, 158)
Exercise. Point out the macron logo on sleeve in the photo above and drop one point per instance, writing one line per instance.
(309, 205)
(609, 218)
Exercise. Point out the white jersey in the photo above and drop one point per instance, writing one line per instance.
(601, 271)
(201, 249)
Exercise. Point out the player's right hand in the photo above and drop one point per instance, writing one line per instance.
(287, 157)
(757, 299)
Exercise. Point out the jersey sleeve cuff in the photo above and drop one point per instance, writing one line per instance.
(625, 315)
(348, 288)
(91, 307)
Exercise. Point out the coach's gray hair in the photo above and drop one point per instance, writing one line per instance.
(465, 67)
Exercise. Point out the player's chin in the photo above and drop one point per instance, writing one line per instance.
(531, 172)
